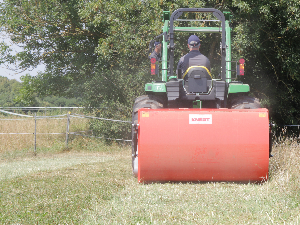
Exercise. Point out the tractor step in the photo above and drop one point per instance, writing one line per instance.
(192, 145)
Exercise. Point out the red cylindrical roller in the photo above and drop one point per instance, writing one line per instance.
(203, 145)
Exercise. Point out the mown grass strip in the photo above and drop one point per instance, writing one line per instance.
(19, 168)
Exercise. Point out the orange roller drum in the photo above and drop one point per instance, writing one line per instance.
(205, 145)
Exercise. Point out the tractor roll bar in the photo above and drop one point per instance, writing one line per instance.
(217, 13)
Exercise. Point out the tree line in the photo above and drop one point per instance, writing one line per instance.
(9, 97)
(97, 50)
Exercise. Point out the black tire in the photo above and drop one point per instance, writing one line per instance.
(245, 102)
(147, 101)
(144, 101)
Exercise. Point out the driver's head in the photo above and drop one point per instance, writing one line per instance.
(157, 46)
(194, 42)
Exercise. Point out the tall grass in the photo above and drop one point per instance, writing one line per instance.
(21, 144)
(91, 183)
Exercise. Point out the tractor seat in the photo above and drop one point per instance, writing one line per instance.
(197, 79)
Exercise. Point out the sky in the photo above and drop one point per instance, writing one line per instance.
(9, 70)
(12, 74)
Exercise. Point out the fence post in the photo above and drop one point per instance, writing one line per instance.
(68, 127)
(34, 133)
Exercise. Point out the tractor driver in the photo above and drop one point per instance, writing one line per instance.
(156, 53)
(194, 57)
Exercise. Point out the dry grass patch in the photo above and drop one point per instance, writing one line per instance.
(23, 144)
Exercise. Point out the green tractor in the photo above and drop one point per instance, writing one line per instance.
(196, 88)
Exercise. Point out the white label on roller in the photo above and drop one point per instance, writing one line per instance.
(200, 118)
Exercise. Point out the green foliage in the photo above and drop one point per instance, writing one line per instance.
(14, 93)
(60, 101)
(267, 34)
(27, 95)
(52, 33)
(32, 94)
(8, 91)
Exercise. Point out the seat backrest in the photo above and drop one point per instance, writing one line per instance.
(197, 72)
(196, 78)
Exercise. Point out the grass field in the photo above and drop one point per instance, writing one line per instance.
(91, 183)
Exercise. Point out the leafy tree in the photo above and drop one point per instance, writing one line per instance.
(8, 91)
(54, 101)
(51, 32)
(97, 50)
(85, 41)
(10, 96)
(267, 35)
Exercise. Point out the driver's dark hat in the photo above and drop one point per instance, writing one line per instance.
(193, 41)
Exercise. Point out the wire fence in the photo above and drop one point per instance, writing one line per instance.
(99, 127)
(118, 129)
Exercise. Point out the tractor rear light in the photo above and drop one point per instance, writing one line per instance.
(153, 60)
(241, 67)
(153, 66)
(153, 69)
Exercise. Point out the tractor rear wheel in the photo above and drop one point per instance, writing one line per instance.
(144, 101)
(245, 102)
